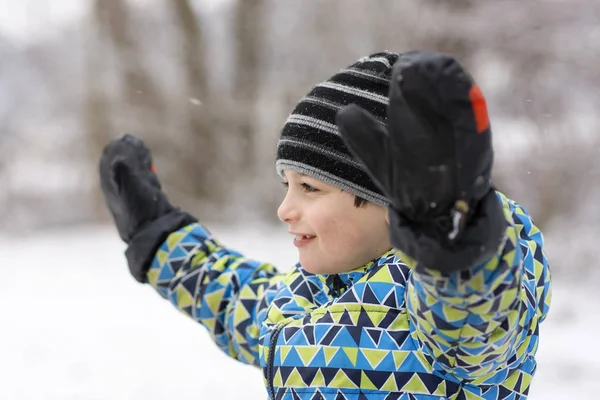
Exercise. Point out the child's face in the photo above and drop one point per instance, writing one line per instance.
(332, 235)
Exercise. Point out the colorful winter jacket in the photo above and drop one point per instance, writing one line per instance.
(382, 331)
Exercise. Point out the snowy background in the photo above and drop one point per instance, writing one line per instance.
(207, 84)
(76, 326)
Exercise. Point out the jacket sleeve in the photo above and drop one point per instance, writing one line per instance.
(217, 287)
(476, 322)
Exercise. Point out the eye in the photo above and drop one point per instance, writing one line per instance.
(285, 184)
(307, 188)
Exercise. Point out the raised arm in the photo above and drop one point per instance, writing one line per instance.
(480, 320)
(217, 287)
(166, 247)
(480, 281)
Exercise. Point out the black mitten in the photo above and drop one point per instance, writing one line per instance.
(141, 211)
(433, 161)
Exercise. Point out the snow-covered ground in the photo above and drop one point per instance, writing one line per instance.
(75, 325)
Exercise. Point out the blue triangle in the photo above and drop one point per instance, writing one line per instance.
(292, 358)
(317, 361)
(359, 289)
(412, 363)
(299, 340)
(205, 313)
(343, 339)
(366, 342)
(165, 274)
(321, 330)
(178, 252)
(339, 360)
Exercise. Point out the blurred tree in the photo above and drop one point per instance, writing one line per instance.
(210, 87)
(96, 104)
(146, 108)
(446, 38)
(196, 153)
(138, 107)
(248, 55)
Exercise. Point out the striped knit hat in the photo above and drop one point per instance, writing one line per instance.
(310, 141)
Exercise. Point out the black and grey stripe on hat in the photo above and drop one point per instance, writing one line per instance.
(310, 141)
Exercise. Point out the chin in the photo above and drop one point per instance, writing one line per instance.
(313, 268)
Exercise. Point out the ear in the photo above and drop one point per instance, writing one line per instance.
(387, 216)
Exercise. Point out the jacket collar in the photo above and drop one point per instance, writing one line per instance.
(337, 284)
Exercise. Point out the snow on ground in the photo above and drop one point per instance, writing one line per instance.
(75, 325)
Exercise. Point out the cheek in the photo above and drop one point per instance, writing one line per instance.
(340, 236)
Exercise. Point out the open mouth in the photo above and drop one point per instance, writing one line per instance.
(301, 240)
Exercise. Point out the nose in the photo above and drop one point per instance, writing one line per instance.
(288, 211)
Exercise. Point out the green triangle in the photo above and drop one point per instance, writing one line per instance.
(199, 257)
(415, 385)
(240, 314)
(174, 238)
(374, 356)
(152, 276)
(329, 353)
(383, 275)
(424, 323)
(477, 282)
(468, 332)
(184, 299)
(240, 338)
(341, 381)
(295, 379)
(162, 256)
(209, 323)
(509, 257)
(277, 382)
(508, 297)
(390, 384)
(440, 390)
(512, 235)
(452, 314)
(351, 353)
(365, 382)
(430, 300)
(525, 382)
(399, 357)
(482, 309)
(533, 230)
(307, 353)
(443, 342)
(511, 381)
(538, 269)
(211, 247)
(283, 352)
(213, 300)
(377, 317)
(318, 380)
(336, 316)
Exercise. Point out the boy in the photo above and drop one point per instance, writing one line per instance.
(416, 280)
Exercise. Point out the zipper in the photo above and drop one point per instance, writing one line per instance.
(271, 360)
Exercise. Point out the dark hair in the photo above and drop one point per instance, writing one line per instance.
(359, 202)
